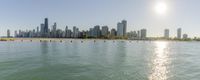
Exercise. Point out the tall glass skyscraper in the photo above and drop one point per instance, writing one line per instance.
(124, 22)
(121, 28)
(166, 33)
(179, 30)
(46, 29)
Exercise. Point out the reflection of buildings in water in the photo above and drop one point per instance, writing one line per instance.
(160, 62)
(44, 54)
(44, 47)
(54, 47)
(98, 52)
(119, 56)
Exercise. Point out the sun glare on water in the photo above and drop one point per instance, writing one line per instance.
(160, 62)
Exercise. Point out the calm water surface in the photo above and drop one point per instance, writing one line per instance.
(119, 60)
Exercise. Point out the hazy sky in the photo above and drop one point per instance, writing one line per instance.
(28, 14)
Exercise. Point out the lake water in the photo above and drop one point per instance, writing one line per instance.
(109, 60)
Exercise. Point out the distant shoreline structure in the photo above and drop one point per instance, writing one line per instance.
(62, 39)
(96, 32)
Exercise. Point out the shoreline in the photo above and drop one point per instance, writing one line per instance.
(62, 39)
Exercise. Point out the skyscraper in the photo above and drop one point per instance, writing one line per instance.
(120, 29)
(138, 34)
(54, 34)
(124, 22)
(75, 32)
(37, 33)
(143, 33)
(104, 30)
(166, 33)
(20, 33)
(91, 32)
(16, 33)
(46, 27)
(67, 32)
(179, 30)
(113, 32)
(42, 30)
(97, 31)
(66, 29)
(8, 33)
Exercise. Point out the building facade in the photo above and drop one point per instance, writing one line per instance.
(179, 34)
(104, 31)
(143, 33)
(166, 33)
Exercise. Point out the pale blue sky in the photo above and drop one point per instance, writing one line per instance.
(28, 14)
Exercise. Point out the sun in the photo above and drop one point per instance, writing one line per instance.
(161, 8)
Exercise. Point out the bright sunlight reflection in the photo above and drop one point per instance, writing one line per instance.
(160, 62)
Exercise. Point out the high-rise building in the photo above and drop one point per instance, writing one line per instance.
(20, 33)
(96, 31)
(16, 35)
(75, 32)
(42, 30)
(8, 33)
(37, 33)
(54, 27)
(179, 30)
(166, 33)
(113, 32)
(91, 32)
(46, 27)
(66, 29)
(185, 36)
(33, 33)
(59, 33)
(138, 34)
(143, 33)
(54, 34)
(37, 29)
(132, 35)
(120, 29)
(67, 32)
(124, 22)
(104, 31)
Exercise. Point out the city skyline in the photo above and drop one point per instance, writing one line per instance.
(27, 14)
(120, 32)
(44, 31)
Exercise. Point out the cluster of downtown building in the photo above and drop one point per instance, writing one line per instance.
(179, 34)
(96, 32)
(44, 31)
